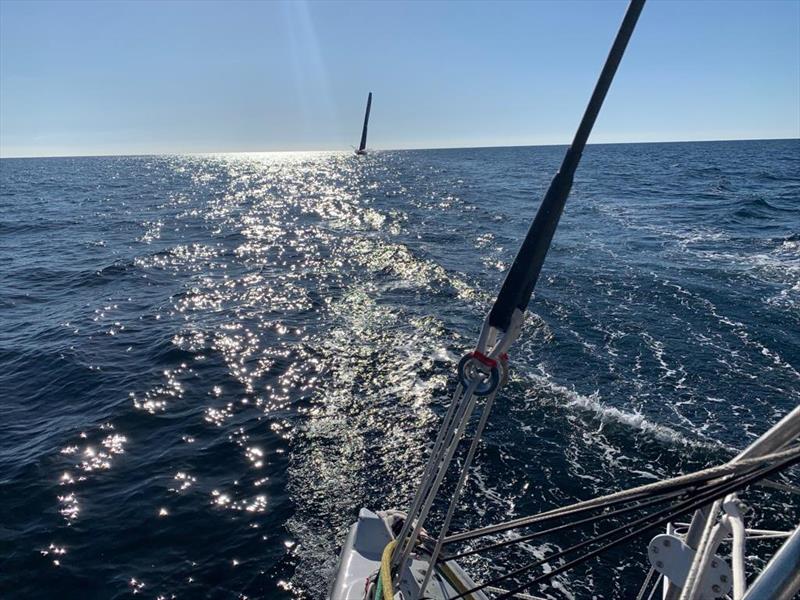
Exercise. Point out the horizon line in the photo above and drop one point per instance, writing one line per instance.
(409, 149)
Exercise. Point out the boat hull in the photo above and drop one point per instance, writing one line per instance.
(360, 560)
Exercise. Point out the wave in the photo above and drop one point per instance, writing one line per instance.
(636, 420)
(292, 335)
(759, 208)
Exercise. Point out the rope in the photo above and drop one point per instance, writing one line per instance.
(697, 568)
(430, 467)
(496, 590)
(461, 420)
(384, 589)
(655, 586)
(751, 534)
(784, 487)
(487, 409)
(616, 542)
(528, 537)
(645, 584)
(452, 578)
(638, 492)
(783, 433)
(662, 517)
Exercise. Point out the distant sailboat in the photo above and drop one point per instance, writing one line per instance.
(362, 147)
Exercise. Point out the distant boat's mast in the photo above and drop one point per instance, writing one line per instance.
(363, 144)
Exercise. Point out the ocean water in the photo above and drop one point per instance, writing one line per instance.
(209, 363)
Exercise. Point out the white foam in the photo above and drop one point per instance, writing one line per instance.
(633, 419)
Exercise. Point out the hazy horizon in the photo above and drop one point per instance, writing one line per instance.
(127, 78)
(349, 151)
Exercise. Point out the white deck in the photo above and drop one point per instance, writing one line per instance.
(361, 557)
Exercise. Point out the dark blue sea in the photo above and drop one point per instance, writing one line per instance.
(208, 364)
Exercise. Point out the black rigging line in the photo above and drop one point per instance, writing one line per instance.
(645, 494)
(569, 525)
(643, 524)
(688, 506)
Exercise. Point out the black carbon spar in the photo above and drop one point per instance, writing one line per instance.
(521, 279)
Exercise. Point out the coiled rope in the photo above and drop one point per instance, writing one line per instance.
(384, 589)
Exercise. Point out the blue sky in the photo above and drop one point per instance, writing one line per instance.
(141, 77)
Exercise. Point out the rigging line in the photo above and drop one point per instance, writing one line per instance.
(672, 490)
(722, 490)
(655, 586)
(462, 416)
(688, 506)
(781, 434)
(591, 519)
(487, 409)
(646, 490)
(777, 485)
(519, 596)
(701, 550)
(520, 281)
(645, 584)
(427, 476)
(426, 490)
(664, 516)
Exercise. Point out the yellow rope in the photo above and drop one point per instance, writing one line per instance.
(385, 575)
(386, 571)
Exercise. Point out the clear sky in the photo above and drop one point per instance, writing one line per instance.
(140, 77)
